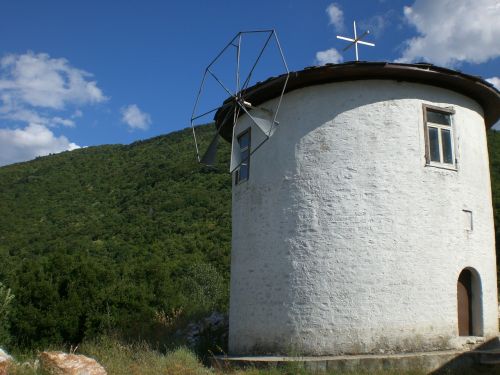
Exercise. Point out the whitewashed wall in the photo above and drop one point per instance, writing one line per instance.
(344, 241)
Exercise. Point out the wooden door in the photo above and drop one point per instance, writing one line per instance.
(464, 303)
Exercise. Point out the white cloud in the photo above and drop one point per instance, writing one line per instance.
(336, 16)
(36, 94)
(62, 121)
(329, 56)
(495, 81)
(41, 81)
(453, 31)
(135, 118)
(27, 116)
(21, 114)
(34, 140)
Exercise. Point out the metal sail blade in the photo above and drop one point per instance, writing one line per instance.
(235, 154)
(264, 124)
(348, 46)
(344, 38)
(366, 43)
(209, 156)
(263, 118)
(357, 40)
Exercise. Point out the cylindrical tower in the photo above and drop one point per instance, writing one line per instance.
(365, 223)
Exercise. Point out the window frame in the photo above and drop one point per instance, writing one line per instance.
(237, 179)
(446, 111)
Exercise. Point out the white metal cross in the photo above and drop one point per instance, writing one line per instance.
(356, 40)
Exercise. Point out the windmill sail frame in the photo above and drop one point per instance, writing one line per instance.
(264, 119)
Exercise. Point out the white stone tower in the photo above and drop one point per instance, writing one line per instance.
(365, 222)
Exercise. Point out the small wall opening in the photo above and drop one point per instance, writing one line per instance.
(469, 303)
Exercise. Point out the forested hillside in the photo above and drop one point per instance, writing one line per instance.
(494, 151)
(111, 238)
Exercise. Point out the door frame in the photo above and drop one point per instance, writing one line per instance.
(476, 301)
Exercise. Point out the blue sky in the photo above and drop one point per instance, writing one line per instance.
(83, 73)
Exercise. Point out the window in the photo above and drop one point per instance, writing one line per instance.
(243, 172)
(468, 220)
(439, 136)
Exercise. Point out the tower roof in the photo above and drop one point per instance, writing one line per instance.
(472, 86)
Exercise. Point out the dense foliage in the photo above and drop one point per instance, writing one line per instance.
(6, 298)
(115, 237)
(494, 151)
(110, 237)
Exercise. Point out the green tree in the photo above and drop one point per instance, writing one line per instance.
(101, 238)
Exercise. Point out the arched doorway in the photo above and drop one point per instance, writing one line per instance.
(469, 303)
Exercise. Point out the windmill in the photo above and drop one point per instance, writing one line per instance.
(357, 40)
(265, 119)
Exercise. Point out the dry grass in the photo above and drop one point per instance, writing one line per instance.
(139, 359)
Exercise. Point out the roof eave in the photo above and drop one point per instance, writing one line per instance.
(474, 87)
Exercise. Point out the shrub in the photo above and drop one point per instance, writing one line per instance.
(204, 290)
(6, 298)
